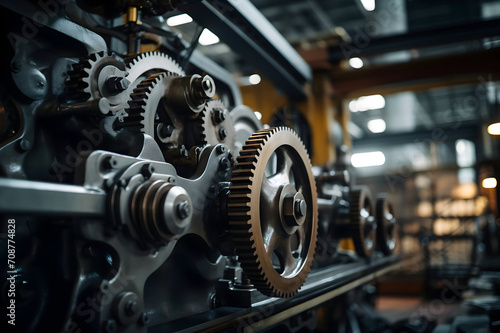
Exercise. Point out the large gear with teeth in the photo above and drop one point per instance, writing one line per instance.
(147, 115)
(272, 211)
(145, 64)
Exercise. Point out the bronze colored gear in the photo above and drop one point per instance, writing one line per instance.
(146, 113)
(88, 80)
(273, 212)
(362, 221)
(386, 225)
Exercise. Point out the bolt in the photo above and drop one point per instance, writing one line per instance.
(183, 151)
(183, 210)
(219, 116)
(221, 149)
(144, 320)
(109, 326)
(147, 170)
(202, 88)
(122, 183)
(300, 208)
(222, 133)
(117, 84)
(24, 145)
(166, 131)
(224, 164)
(131, 308)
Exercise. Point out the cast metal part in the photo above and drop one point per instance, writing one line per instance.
(386, 225)
(363, 221)
(272, 211)
(217, 126)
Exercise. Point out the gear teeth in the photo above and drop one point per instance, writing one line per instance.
(241, 225)
(80, 77)
(142, 59)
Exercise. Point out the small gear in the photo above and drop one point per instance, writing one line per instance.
(99, 75)
(363, 222)
(273, 212)
(213, 126)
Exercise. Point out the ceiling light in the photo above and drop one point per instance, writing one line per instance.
(489, 182)
(369, 5)
(365, 103)
(356, 63)
(258, 115)
(376, 125)
(374, 158)
(179, 19)
(207, 37)
(494, 129)
(254, 79)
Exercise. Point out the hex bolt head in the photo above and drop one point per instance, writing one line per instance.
(224, 164)
(183, 210)
(222, 133)
(109, 326)
(300, 207)
(131, 308)
(144, 320)
(117, 84)
(24, 145)
(202, 89)
(221, 149)
(218, 116)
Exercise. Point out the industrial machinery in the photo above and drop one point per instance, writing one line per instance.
(138, 194)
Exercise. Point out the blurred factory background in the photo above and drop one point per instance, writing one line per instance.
(412, 87)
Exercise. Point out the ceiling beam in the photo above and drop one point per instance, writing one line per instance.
(417, 75)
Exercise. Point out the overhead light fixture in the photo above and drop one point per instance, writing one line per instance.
(365, 103)
(258, 115)
(374, 158)
(376, 125)
(207, 37)
(490, 182)
(494, 129)
(179, 20)
(254, 79)
(356, 63)
(369, 5)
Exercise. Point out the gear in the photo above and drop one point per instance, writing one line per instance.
(147, 115)
(100, 75)
(213, 126)
(272, 211)
(145, 64)
(386, 225)
(362, 221)
(245, 124)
